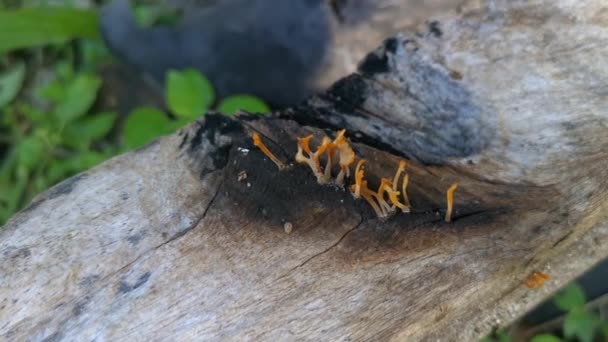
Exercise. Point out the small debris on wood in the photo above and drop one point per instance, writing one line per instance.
(242, 176)
(288, 227)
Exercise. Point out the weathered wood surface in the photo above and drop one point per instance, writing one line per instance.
(164, 243)
(359, 25)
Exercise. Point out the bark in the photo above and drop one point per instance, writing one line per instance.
(509, 100)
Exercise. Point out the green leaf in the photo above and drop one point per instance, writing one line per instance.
(604, 330)
(33, 114)
(64, 70)
(251, 104)
(148, 15)
(80, 95)
(487, 339)
(58, 170)
(7, 164)
(97, 126)
(94, 53)
(30, 152)
(86, 160)
(39, 183)
(503, 336)
(143, 125)
(145, 15)
(10, 83)
(545, 338)
(177, 124)
(189, 94)
(580, 324)
(89, 129)
(570, 298)
(498, 336)
(28, 27)
(53, 91)
(10, 198)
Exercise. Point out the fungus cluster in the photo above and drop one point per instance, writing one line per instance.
(337, 150)
(378, 199)
(337, 154)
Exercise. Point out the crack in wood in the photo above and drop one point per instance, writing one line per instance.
(103, 281)
(562, 239)
(323, 251)
(196, 223)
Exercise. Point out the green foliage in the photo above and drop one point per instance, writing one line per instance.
(76, 98)
(604, 330)
(545, 338)
(83, 133)
(93, 54)
(62, 134)
(233, 104)
(144, 125)
(10, 83)
(581, 324)
(189, 94)
(578, 323)
(49, 145)
(29, 27)
(499, 336)
(572, 297)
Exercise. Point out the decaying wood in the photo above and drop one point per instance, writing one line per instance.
(171, 242)
(359, 25)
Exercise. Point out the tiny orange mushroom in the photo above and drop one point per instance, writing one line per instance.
(377, 199)
(405, 207)
(536, 279)
(360, 190)
(346, 157)
(303, 146)
(385, 185)
(257, 141)
(330, 156)
(313, 159)
(370, 197)
(406, 199)
(326, 146)
(394, 198)
(359, 173)
(400, 169)
(450, 200)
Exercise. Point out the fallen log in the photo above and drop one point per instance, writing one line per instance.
(187, 238)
